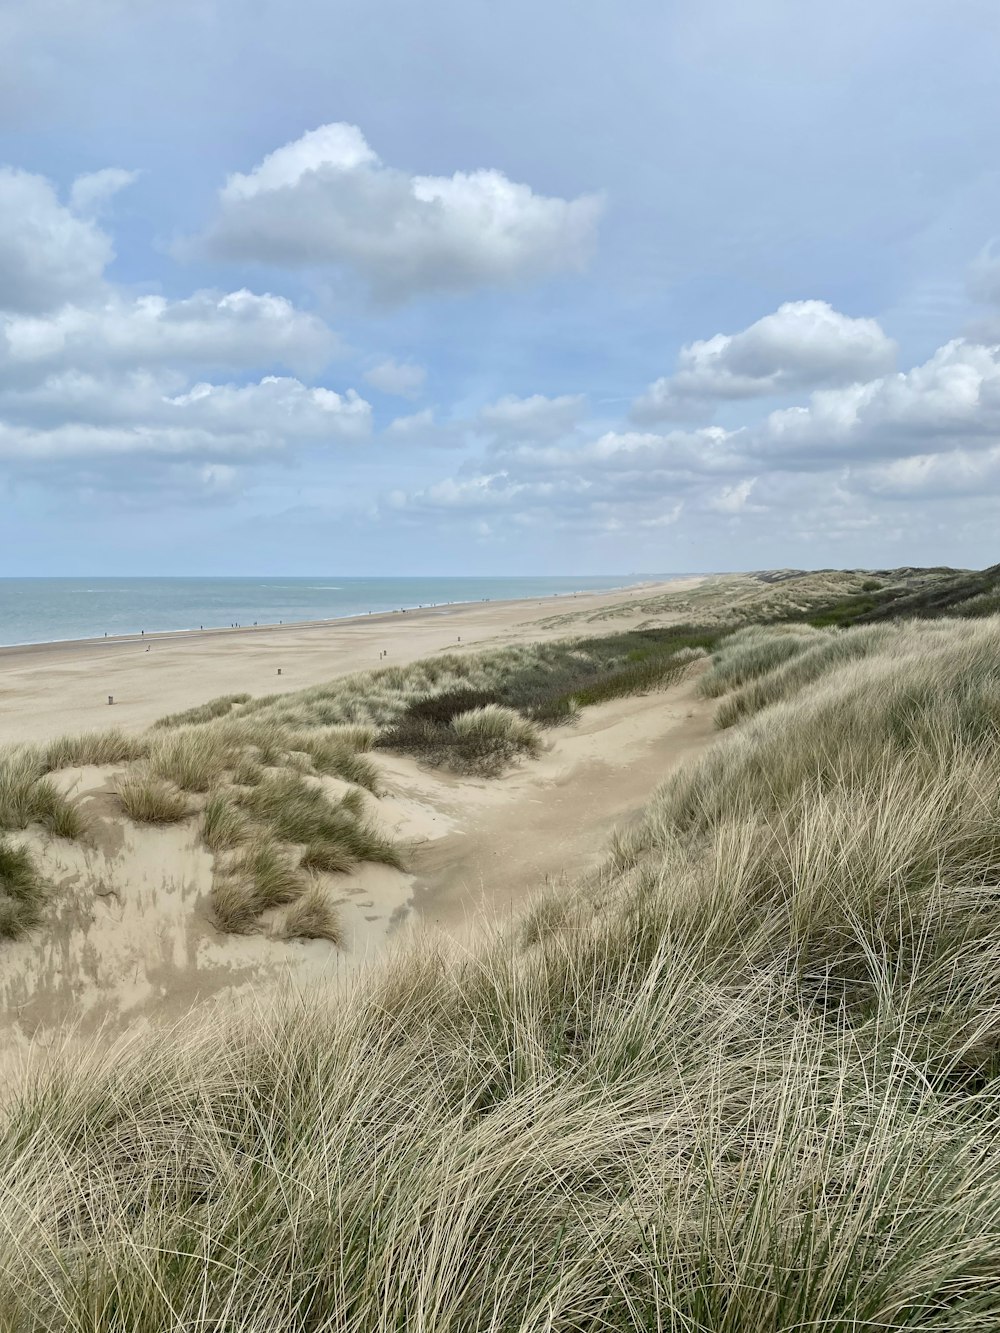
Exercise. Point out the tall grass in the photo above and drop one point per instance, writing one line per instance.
(28, 796)
(21, 890)
(150, 799)
(743, 1077)
(262, 876)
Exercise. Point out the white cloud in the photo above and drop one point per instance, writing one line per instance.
(533, 418)
(804, 344)
(984, 274)
(735, 499)
(84, 418)
(402, 379)
(48, 255)
(91, 193)
(327, 199)
(237, 329)
(950, 400)
(934, 476)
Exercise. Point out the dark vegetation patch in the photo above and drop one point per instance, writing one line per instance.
(892, 594)
(21, 891)
(548, 690)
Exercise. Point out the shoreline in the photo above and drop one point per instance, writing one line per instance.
(72, 685)
(276, 626)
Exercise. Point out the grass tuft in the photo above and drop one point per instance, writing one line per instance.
(149, 799)
(261, 877)
(21, 891)
(94, 747)
(27, 796)
(222, 824)
(312, 917)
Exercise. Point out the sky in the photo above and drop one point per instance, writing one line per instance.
(380, 288)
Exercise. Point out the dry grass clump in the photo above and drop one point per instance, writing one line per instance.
(223, 825)
(488, 738)
(27, 796)
(745, 1078)
(297, 810)
(192, 760)
(207, 712)
(262, 876)
(330, 751)
(781, 681)
(21, 890)
(94, 747)
(754, 652)
(150, 799)
(312, 917)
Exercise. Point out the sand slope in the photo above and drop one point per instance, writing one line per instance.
(128, 937)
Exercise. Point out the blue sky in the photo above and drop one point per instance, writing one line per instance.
(384, 288)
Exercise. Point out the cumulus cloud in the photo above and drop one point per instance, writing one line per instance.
(48, 255)
(534, 418)
(235, 329)
(74, 417)
(802, 345)
(91, 193)
(327, 199)
(934, 476)
(952, 399)
(402, 379)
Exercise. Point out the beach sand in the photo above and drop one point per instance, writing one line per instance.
(128, 936)
(49, 690)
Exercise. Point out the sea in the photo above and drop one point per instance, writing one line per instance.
(45, 610)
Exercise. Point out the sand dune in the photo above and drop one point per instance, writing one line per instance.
(128, 938)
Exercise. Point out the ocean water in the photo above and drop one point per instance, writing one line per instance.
(43, 610)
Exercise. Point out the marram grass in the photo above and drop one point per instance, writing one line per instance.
(744, 1077)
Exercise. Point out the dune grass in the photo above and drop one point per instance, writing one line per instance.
(742, 1077)
(207, 712)
(260, 877)
(93, 747)
(223, 825)
(312, 917)
(22, 890)
(28, 796)
(150, 799)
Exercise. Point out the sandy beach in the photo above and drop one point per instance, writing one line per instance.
(48, 690)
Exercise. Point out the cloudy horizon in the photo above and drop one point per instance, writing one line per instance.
(374, 291)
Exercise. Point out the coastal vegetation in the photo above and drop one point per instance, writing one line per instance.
(265, 778)
(743, 1076)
